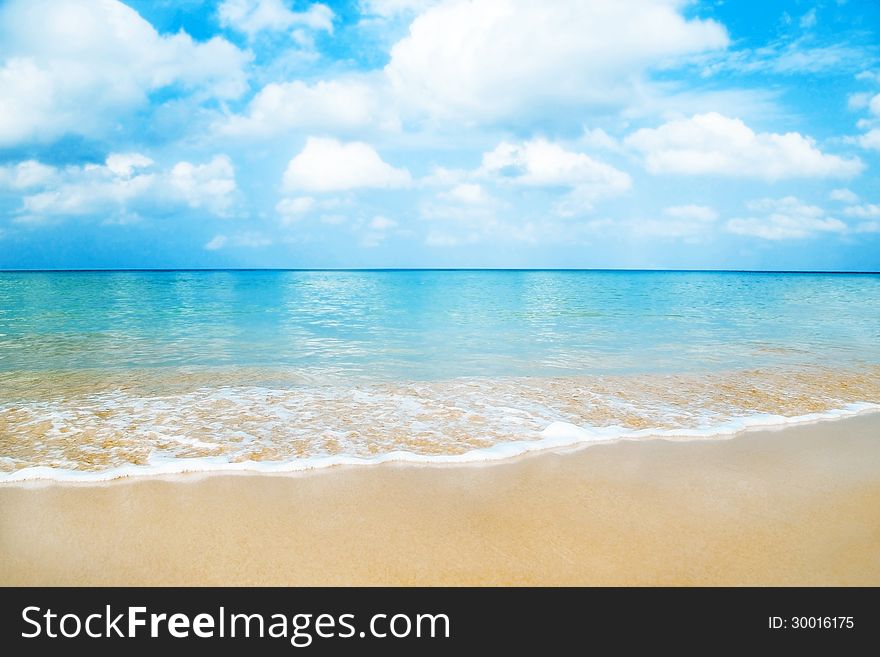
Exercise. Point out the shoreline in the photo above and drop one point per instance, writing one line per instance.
(557, 436)
(792, 506)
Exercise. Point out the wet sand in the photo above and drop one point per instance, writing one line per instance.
(797, 506)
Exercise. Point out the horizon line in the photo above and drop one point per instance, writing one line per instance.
(426, 269)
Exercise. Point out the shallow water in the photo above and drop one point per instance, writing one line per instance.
(135, 372)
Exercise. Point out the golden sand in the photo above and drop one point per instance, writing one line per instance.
(795, 506)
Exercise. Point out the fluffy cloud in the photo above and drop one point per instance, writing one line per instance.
(78, 66)
(713, 144)
(540, 163)
(785, 218)
(125, 164)
(254, 16)
(120, 188)
(208, 185)
(328, 165)
(342, 104)
(499, 57)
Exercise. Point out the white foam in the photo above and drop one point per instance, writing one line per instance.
(555, 436)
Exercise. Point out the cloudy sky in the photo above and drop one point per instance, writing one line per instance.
(440, 133)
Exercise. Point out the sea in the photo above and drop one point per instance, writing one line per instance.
(107, 374)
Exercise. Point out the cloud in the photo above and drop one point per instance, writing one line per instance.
(808, 20)
(870, 140)
(499, 58)
(377, 231)
(469, 193)
(866, 211)
(27, 174)
(796, 57)
(690, 223)
(79, 66)
(701, 213)
(327, 165)
(391, 8)
(713, 144)
(208, 185)
(843, 195)
(254, 16)
(121, 188)
(249, 240)
(125, 164)
(785, 218)
(541, 163)
(342, 104)
(294, 209)
(465, 202)
(382, 223)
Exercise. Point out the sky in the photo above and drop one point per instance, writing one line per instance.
(658, 134)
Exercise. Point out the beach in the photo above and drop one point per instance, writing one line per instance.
(792, 506)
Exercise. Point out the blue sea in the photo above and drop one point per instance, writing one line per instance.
(107, 374)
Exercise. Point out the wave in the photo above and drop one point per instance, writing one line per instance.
(557, 435)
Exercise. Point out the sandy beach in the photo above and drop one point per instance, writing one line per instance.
(798, 506)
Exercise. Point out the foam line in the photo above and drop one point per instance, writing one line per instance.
(555, 435)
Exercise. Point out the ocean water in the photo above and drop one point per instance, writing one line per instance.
(105, 374)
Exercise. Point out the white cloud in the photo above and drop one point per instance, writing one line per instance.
(24, 175)
(254, 16)
(208, 185)
(713, 144)
(217, 242)
(79, 66)
(690, 223)
(870, 139)
(866, 211)
(599, 139)
(382, 223)
(333, 104)
(808, 20)
(498, 58)
(377, 231)
(249, 240)
(469, 193)
(119, 188)
(540, 163)
(293, 209)
(702, 213)
(327, 165)
(785, 218)
(124, 164)
(843, 195)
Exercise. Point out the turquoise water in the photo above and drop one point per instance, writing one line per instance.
(108, 372)
(437, 324)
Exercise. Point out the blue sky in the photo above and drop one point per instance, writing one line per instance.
(440, 133)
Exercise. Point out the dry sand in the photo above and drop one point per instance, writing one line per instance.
(795, 506)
